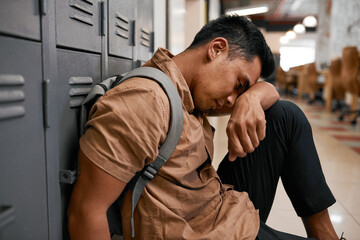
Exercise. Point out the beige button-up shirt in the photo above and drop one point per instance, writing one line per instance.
(186, 199)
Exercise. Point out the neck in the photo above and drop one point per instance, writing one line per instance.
(188, 61)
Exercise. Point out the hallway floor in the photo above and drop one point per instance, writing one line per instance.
(338, 146)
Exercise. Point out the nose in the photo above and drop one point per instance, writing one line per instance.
(230, 100)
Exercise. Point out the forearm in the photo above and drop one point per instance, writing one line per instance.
(265, 92)
(262, 92)
(247, 124)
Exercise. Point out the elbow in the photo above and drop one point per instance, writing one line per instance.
(272, 96)
(275, 94)
(79, 217)
(86, 221)
(75, 216)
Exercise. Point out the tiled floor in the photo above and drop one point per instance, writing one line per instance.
(338, 146)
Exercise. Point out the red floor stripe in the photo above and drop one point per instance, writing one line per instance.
(347, 138)
(341, 123)
(357, 149)
(332, 128)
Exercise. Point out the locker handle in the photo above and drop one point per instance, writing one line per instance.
(46, 107)
(6, 215)
(152, 42)
(43, 7)
(133, 33)
(103, 19)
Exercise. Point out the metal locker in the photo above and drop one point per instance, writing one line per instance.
(79, 24)
(144, 28)
(121, 33)
(118, 66)
(77, 72)
(23, 200)
(20, 18)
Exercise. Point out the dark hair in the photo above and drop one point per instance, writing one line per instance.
(244, 38)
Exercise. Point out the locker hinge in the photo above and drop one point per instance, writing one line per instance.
(103, 19)
(67, 176)
(133, 33)
(43, 7)
(46, 108)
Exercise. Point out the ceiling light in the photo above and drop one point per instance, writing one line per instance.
(248, 10)
(299, 28)
(284, 40)
(310, 21)
(290, 34)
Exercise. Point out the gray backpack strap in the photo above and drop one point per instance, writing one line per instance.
(173, 135)
(97, 91)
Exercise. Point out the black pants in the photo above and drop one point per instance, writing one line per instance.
(288, 151)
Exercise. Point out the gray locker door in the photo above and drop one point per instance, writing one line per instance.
(118, 66)
(77, 72)
(20, 18)
(78, 24)
(22, 143)
(121, 27)
(144, 28)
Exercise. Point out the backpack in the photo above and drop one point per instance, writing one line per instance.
(140, 180)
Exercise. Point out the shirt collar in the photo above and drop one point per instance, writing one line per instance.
(162, 60)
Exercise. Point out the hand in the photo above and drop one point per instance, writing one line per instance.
(246, 127)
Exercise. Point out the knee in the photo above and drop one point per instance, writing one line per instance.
(287, 117)
(286, 110)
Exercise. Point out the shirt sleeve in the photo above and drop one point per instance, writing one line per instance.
(126, 128)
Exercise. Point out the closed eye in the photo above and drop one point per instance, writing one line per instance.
(242, 87)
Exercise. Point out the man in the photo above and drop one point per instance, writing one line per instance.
(217, 74)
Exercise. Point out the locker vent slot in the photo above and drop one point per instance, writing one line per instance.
(122, 26)
(89, 2)
(11, 112)
(79, 91)
(13, 80)
(80, 87)
(81, 18)
(7, 215)
(80, 9)
(145, 38)
(10, 97)
(81, 80)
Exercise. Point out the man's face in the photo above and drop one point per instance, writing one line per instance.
(221, 81)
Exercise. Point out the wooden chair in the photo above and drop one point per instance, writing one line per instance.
(283, 82)
(311, 80)
(350, 74)
(337, 88)
(297, 74)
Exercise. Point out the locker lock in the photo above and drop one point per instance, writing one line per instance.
(67, 176)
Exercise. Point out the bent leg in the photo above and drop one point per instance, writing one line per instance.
(288, 151)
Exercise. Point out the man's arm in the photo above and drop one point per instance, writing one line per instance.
(247, 125)
(94, 192)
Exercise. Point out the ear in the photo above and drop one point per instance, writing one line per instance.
(217, 47)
